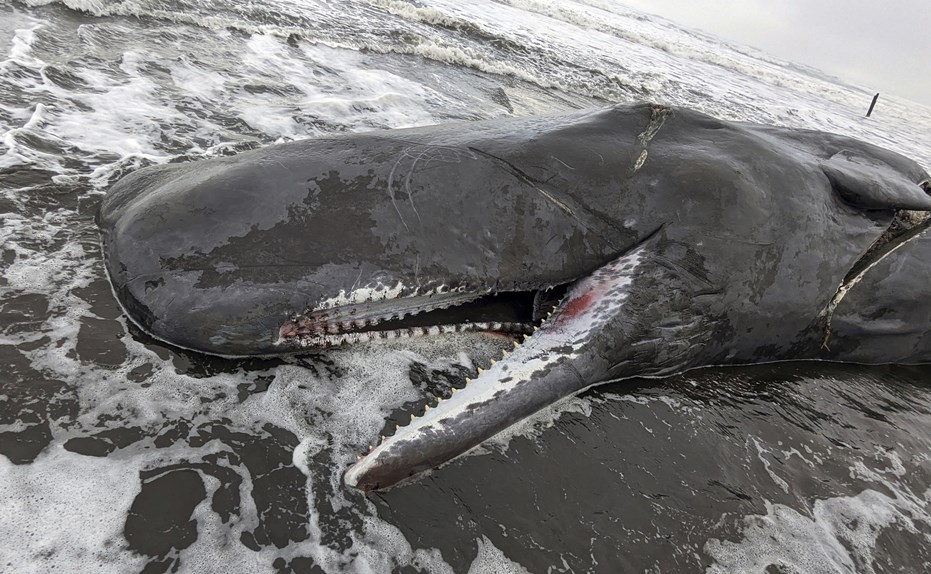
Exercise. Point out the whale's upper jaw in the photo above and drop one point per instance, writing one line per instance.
(370, 315)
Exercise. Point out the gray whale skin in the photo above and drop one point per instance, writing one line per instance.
(637, 240)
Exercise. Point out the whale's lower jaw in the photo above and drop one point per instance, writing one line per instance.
(560, 358)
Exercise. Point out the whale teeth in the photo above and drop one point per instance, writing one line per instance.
(413, 417)
(493, 362)
(358, 457)
(516, 344)
(397, 428)
(468, 380)
(481, 370)
(371, 447)
(382, 439)
(426, 408)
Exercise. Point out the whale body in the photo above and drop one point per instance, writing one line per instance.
(637, 240)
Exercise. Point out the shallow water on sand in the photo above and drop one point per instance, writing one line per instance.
(121, 454)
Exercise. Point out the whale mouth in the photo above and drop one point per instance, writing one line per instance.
(410, 450)
(560, 356)
(519, 314)
(556, 360)
(506, 312)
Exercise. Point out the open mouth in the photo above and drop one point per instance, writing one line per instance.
(527, 316)
(556, 359)
(508, 312)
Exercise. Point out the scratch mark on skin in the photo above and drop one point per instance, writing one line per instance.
(641, 160)
(407, 182)
(529, 180)
(356, 282)
(424, 156)
(521, 174)
(391, 188)
(564, 163)
(658, 115)
(533, 182)
(560, 204)
(684, 270)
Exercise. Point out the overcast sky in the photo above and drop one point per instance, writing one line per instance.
(882, 45)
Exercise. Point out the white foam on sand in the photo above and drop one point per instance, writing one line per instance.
(65, 512)
(491, 559)
(833, 535)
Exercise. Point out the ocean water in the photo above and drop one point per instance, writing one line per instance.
(121, 454)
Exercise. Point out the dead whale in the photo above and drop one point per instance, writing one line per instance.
(637, 240)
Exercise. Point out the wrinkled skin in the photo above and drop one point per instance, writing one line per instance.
(678, 240)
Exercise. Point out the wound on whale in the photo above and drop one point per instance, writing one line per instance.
(637, 240)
